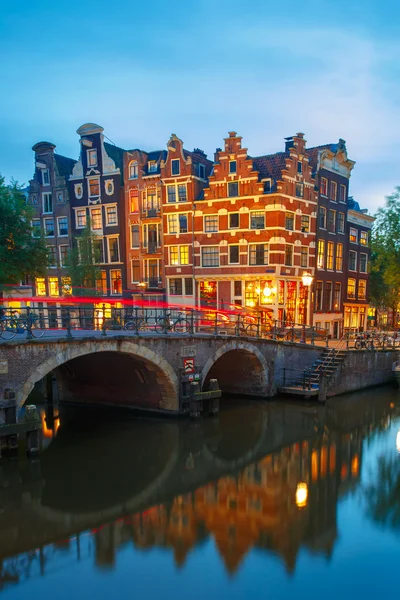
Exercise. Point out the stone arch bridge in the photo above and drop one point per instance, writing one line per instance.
(146, 372)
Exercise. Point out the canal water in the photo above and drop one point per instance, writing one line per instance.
(267, 500)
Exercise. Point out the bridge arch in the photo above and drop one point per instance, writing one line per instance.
(240, 368)
(159, 369)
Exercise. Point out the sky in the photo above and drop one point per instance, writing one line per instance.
(144, 70)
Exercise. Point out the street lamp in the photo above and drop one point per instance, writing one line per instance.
(307, 280)
(142, 285)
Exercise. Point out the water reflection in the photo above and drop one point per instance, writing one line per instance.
(261, 476)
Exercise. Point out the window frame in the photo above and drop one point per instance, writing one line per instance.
(62, 263)
(92, 221)
(89, 153)
(207, 219)
(54, 280)
(84, 211)
(354, 229)
(175, 162)
(47, 194)
(216, 253)
(232, 171)
(334, 186)
(34, 227)
(109, 239)
(59, 234)
(305, 229)
(330, 256)
(236, 262)
(230, 226)
(304, 251)
(339, 257)
(44, 227)
(229, 187)
(322, 211)
(89, 181)
(118, 293)
(353, 295)
(133, 166)
(363, 254)
(53, 249)
(289, 218)
(292, 255)
(353, 261)
(111, 206)
(321, 255)
(364, 239)
(362, 283)
(46, 172)
(324, 186)
(179, 290)
(331, 222)
(256, 214)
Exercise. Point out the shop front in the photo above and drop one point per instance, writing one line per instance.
(355, 317)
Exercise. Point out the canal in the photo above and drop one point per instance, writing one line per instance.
(267, 500)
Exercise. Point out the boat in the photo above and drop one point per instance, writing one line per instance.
(396, 371)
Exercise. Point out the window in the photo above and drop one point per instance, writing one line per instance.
(98, 251)
(351, 288)
(332, 221)
(40, 283)
(363, 263)
(342, 193)
(210, 223)
(201, 170)
(135, 241)
(362, 289)
(113, 250)
(48, 227)
(171, 193)
(53, 286)
(116, 282)
(134, 200)
(330, 254)
(35, 224)
(322, 217)
(182, 193)
(175, 287)
(258, 254)
(135, 270)
(81, 218)
(232, 166)
(62, 223)
(172, 223)
(305, 224)
(210, 256)
(328, 296)
(179, 255)
(353, 235)
(333, 191)
(233, 255)
(324, 186)
(133, 170)
(340, 222)
(46, 177)
(152, 166)
(173, 255)
(257, 219)
(237, 289)
(60, 197)
(188, 287)
(267, 186)
(233, 220)
(233, 189)
(94, 187)
(175, 166)
(304, 257)
(299, 190)
(289, 221)
(111, 215)
(64, 250)
(52, 256)
(364, 238)
(101, 283)
(184, 255)
(318, 295)
(336, 296)
(339, 257)
(321, 254)
(300, 167)
(92, 158)
(95, 216)
(289, 255)
(47, 203)
(352, 260)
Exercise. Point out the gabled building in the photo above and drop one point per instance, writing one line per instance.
(48, 195)
(331, 169)
(96, 193)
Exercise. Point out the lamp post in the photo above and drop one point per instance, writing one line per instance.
(142, 285)
(307, 280)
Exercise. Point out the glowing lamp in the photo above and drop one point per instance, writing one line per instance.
(258, 290)
(307, 279)
(398, 441)
(267, 291)
(301, 495)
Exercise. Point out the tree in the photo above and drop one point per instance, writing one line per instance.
(382, 494)
(21, 253)
(82, 264)
(385, 255)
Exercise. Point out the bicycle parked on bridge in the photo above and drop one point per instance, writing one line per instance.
(12, 325)
(165, 323)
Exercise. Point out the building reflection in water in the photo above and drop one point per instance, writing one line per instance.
(280, 503)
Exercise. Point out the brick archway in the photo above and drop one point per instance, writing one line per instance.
(228, 362)
(164, 374)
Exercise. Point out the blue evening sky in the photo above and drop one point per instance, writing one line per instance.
(266, 69)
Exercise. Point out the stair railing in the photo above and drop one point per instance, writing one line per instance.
(333, 353)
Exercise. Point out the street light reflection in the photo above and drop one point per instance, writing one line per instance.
(398, 441)
(302, 495)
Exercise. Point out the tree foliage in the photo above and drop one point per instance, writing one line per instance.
(82, 264)
(21, 254)
(382, 494)
(385, 255)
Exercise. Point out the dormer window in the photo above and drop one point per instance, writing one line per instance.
(92, 158)
(201, 171)
(175, 166)
(94, 187)
(232, 166)
(300, 167)
(133, 169)
(267, 186)
(152, 166)
(46, 177)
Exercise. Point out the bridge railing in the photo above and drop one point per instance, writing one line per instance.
(102, 319)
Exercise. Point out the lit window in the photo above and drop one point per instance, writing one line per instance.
(258, 254)
(336, 296)
(46, 177)
(47, 203)
(339, 257)
(92, 158)
(288, 255)
(135, 242)
(210, 256)
(184, 255)
(364, 238)
(95, 215)
(321, 254)
(134, 200)
(116, 282)
(111, 215)
(363, 263)
(101, 283)
(305, 224)
(351, 288)
(289, 221)
(48, 227)
(352, 260)
(64, 255)
(362, 289)
(133, 170)
(233, 189)
(62, 225)
(35, 223)
(232, 166)
(324, 186)
(175, 166)
(113, 250)
(135, 271)
(340, 222)
(257, 219)
(333, 191)
(40, 286)
(53, 286)
(81, 218)
(353, 235)
(94, 187)
(173, 255)
(210, 223)
(330, 256)
(52, 256)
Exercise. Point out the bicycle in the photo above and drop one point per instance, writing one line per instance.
(136, 324)
(165, 324)
(11, 326)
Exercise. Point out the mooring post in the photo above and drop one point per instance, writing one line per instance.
(195, 403)
(213, 406)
